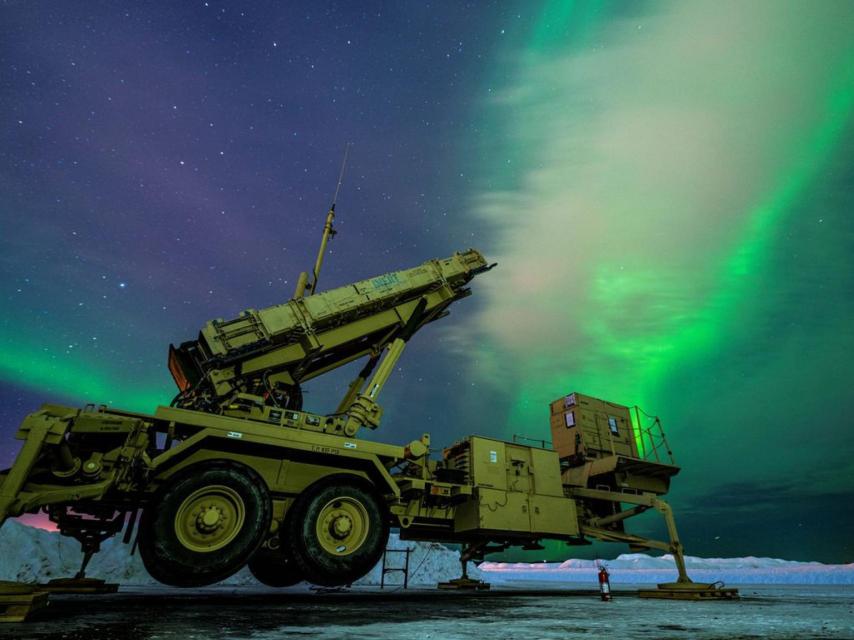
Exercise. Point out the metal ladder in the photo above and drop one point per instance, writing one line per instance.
(404, 569)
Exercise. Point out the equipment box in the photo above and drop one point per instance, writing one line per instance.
(586, 427)
(516, 488)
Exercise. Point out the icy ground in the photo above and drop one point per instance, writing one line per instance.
(529, 602)
(774, 612)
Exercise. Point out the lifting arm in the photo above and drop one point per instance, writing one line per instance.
(364, 410)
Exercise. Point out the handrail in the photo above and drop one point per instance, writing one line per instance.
(650, 438)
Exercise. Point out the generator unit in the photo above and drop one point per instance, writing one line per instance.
(515, 488)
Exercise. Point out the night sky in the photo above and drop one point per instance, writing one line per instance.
(668, 189)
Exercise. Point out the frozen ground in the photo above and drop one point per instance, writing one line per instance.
(528, 602)
(774, 612)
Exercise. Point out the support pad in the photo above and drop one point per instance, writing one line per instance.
(18, 601)
(690, 591)
(464, 584)
(79, 585)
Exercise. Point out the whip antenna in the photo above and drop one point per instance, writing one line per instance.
(341, 174)
(328, 234)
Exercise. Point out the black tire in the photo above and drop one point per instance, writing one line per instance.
(204, 552)
(313, 557)
(275, 567)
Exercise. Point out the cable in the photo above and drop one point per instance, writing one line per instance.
(418, 568)
(498, 505)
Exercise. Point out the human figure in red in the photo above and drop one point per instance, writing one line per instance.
(604, 584)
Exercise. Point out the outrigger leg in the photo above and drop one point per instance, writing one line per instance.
(684, 588)
(468, 552)
(90, 534)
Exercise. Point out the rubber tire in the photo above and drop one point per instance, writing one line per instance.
(275, 568)
(318, 566)
(170, 562)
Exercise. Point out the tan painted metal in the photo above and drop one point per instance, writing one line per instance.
(482, 490)
(485, 493)
(209, 518)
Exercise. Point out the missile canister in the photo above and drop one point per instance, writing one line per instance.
(269, 352)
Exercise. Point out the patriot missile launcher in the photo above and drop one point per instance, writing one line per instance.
(236, 472)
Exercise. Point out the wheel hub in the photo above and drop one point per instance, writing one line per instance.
(342, 526)
(209, 518)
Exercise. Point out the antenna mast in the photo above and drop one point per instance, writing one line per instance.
(328, 234)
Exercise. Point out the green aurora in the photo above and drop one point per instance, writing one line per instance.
(31, 366)
(672, 295)
(666, 186)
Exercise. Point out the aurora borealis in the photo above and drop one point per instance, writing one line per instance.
(667, 188)
(670, 182)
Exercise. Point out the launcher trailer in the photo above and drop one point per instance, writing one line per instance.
(236, 472)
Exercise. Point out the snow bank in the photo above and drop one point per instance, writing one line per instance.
(28, 554)
(639, 568)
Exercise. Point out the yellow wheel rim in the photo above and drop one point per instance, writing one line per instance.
(209, 518)
(342, 526)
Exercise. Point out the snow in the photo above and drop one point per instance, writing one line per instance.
(639, 568)
(28, 554)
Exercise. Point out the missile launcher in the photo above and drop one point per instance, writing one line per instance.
(236, 473)
(261, 357)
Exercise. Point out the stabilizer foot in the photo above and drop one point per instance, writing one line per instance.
(19, 601)
(464, 584)
(79, 585)
(690, 591)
